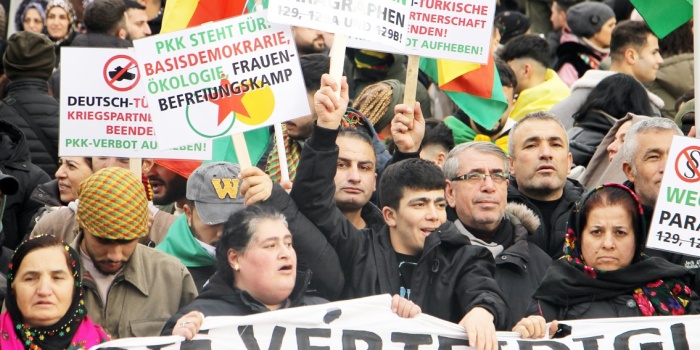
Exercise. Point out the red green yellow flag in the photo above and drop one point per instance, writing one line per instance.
(475, 88)
(181, 14)
(664, 16)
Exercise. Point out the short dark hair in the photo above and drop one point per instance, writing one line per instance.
(527, 46)
(507, 75)
(687, 96)
(313, 66)
(359, 134)
(238, 230)
(437, 133)
(412, 174)
(105, 16)
(617, 95)
(626, 34)
(678, 41)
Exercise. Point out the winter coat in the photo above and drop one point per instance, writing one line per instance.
(451, 277)
(19, 208)
(220, 298)
(675, 77)
(551, 242)
(33, 95)
(588, 133)
(580, 90)
(576, 56)
(149, 290)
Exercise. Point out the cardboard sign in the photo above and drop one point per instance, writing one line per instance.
(675, 226)
(379, 21)
(105, 113)
(369, 323)
(221, 78)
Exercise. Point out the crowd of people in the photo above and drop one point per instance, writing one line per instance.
(539, 218)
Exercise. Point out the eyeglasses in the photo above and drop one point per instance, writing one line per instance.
(479, 177)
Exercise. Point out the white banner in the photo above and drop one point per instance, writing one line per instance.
(675, 226)
(221, 78)
(104, 111)
(369, 323)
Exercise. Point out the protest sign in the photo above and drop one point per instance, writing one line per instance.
(454, 30)
(381, 21)
(675, 226)
(105, 112)
(369, 323)
(221, 78)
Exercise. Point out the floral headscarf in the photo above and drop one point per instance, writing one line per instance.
(72, 19)
(659, 297)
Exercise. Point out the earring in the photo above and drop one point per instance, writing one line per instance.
(236, 267)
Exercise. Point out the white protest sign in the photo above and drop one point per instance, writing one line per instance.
(369, 323)
(675, 226)
(104, 111)
(221, 78)
(380, 21)
(457, 30)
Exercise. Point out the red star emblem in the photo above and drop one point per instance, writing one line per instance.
(228, 104)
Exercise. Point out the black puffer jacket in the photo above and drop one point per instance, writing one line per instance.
(15, 161)
(219, 298)
(587, 134)
(33, 95)
(551, 242)
(451, 277)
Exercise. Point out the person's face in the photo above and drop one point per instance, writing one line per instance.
(99, 163)
(308, 40)
(420, 212)
(608, 241)
(267, 268)
(57, 22)
(620, 135)
(71, 172)
(479, 204)
(649, 162)
(647, 60)
(109, 256)
(168, 187)
(208, 234)
(44, 286)
(604, 35)
(137, 23)
(355, 177)
(540, 160)
(558, 17)
(301, 128)
(32, 21)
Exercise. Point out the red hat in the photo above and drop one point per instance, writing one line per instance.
(181, 167)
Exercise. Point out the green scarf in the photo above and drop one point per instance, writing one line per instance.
(180, 243)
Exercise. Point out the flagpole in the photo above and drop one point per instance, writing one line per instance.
(696, 59)
(409, 93)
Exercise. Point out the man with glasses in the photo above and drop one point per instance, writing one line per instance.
(477, 185)
(538, 150)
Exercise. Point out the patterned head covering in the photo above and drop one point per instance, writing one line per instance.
(112, 205)
(72, 18)
(668, 296)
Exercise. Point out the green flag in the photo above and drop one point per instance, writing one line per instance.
(257, 141)
(664, 16)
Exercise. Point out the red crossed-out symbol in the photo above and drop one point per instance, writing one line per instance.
(687, 164)
(121, 73)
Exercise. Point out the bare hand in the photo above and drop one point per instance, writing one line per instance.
(329, 108)
(408, 132)
(535, 327)
(481, 331)
(286, 185)
(256, 185)
(188, 326)
(404, 307)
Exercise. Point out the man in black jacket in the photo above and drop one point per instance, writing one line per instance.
(540, 160)
(477, 184)
(415, 253)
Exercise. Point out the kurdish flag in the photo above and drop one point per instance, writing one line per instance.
(181, 14)
(475, 88)
(665, 16)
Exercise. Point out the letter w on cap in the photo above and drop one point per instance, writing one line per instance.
(226, 187)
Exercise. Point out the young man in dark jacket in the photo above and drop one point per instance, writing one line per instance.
(415, 253)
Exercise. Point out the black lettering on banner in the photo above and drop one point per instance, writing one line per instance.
(304, 336)
(350, 338)
(680, 340)
(248, 337)
(539, 345)
(196, 344)
(445, 343)
(411, 341)
(589, 343)
(622, 341)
